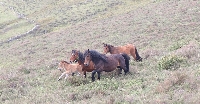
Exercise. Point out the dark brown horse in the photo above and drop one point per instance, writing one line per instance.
(77, 56)
(105, 63)
(128, 49)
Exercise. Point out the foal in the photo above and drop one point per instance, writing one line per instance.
(69, 69)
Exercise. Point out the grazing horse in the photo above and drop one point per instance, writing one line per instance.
(77, 56)
(104, 63)
(69, 69)
(128, 49)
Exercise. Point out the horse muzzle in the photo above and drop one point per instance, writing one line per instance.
(59, 69)
(86, 64)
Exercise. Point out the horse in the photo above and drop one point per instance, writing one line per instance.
(69, 69)
(104, 62)
(77, 56)
(128, 49)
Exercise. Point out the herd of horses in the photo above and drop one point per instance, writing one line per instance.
(96, 62)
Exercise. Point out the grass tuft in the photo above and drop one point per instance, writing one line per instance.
(170, 62)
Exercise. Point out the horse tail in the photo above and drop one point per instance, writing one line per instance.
(138, 58)
(127, 58)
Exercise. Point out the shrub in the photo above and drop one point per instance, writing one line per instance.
(170, 62)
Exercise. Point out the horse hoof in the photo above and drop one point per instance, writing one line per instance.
(93, 80)
(139, 60)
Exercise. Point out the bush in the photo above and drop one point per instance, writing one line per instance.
(170, 62)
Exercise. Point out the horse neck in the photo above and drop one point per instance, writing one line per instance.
(114, 50)
(97, 60)
(80, 62)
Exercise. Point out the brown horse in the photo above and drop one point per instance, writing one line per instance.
(78, 56)
(128, 49)
(105, 63)
(69, 69)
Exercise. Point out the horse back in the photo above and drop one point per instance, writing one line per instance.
(113, 61)
(125, 49)
(74, 67)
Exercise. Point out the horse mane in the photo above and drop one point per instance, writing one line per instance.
(108, 45)
(81, 57)
(74, 51)
(96, 56)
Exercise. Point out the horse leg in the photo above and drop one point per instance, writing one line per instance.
(120, 69)
(85, 73)
(61, 75)
(125, 70)
(66, 76)
(93, 73)
(98, 75)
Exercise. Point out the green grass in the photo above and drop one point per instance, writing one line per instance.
(166, 33)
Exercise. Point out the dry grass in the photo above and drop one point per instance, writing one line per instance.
(174, 79)
(28, 65)
(188, 50)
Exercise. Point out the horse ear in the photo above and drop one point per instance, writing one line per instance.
(104, 44)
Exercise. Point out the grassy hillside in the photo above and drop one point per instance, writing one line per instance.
(22, 16)
(36, 35)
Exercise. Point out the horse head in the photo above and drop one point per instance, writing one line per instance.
(87, 58)
(74, 56)
(105, 48)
